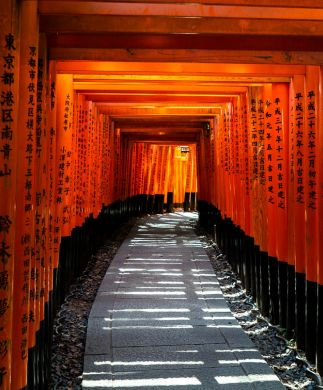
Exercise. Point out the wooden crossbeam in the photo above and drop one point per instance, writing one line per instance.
(265, 3)
(179, 9)
(179, 25)
(179, 68)
(185, 56)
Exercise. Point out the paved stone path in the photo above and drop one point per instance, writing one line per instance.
(160, 321)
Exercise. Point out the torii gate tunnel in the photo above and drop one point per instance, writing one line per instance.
(114, 109)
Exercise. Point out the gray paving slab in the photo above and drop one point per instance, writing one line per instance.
(212, 378)
(100, 338)
(155, 284)
(170, 334)
(162, 276)
(175, 305)
(160, 321)
(135, 293)
(171, 357)
(189, 291)
(235, 337)
(152, 262)
(97, 365)
(102, 306)
(156, 314)
(157, 269)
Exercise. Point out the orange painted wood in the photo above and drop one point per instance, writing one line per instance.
(53, 238)
(78, 145)
(179, 9)
(252, 150)
(258, 173)
(9, 69)
(85, 158)
(189, 177)
(38, 282)
(23, 312)
(171, 180)
(117, 157)
(281, 109)
(178, 25)
(265, 3)
(241, 156)
(230, 172)
(163, 43)
(291, 177)
(269, 57)
(74, 170)
(201, 177)
(245, 165)
(311, 121)
(105, 163)
(155, 184)
(178, 68)
(64, 134)
(297, 172)
(219, 162)
(212, 162)
(320, 190)
(167, 175)
(270, 161)
(235, 164)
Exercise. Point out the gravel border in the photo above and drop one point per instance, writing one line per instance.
(70, 324)
(288, 363)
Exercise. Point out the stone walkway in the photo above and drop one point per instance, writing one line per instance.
(160, 321)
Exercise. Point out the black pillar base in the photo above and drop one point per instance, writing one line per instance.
(170, 202)
(290, 320)
(159, 204)
(257, 276)
(310, 321)
(300, 310)
(187, 201)
(264, 284)
(150, 204)
(273, 290)
(248, 250)
(282, 289)
(319, 333)
(193, 201)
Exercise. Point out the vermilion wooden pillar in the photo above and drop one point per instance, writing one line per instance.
(52, 238)
(9, 80)
(79, 145)
(311, 152)
(291, 211)
(319, 342)
(268, 278)
(252, 169)
(167, 174)
(162, 188)
(271, 189)
(245, 165)
(105, 136)
(253, 97)
(280, 115)
(25, 195)
(39, 265)
(298, 187)
(64, 131)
